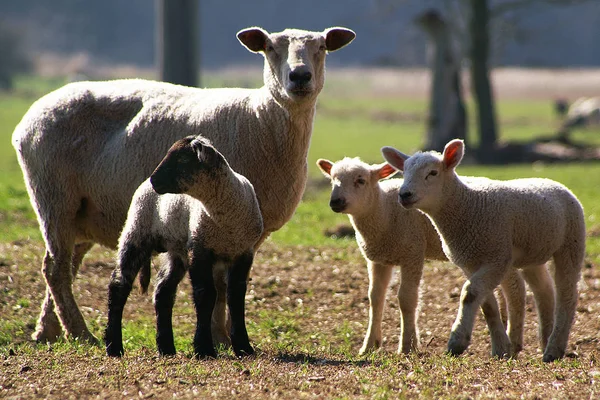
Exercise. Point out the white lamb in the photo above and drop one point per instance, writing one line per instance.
(86, 147)
(488, 226)
(389, 235)
(205, 216)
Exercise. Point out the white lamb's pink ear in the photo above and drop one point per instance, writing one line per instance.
(254, 39)
(384, 170)
(394, 157)
(453, 153)
(325, 166)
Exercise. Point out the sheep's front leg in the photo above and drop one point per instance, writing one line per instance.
(379, 279)
(131, 260)
(477, 289)
(236, 298)
(408, 297)
(164, 299)
(205, 295)
(501, 345)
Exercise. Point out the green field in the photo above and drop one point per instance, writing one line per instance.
(306, 306)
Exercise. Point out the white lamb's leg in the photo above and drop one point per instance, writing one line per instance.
(408, 298)
(514, 292)
(477, 289)
(541, 284)
(379, 279)
(566, 275)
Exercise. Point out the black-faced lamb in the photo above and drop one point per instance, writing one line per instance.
(206, 217)
(84, 149)
(389, 235)
(488, 226)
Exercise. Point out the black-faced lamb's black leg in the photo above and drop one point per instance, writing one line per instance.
(131, 260)
(164, 299)
(205, 296)
(236, 297)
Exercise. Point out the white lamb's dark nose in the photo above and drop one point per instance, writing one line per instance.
(338, 204)
(405, 196)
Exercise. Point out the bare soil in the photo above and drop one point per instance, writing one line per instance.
(324, 291)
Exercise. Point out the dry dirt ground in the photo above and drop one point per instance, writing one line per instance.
(322, 291)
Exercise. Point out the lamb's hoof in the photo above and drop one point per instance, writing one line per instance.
(244, 351)
(203, 354)
(221, 339)
(166, 351)
(49, 333)
(552, 355)
(457, 345)
(89, 339)
(114, 351)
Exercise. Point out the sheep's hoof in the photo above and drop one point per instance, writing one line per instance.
(457, 346)
(244, 352)
(114, 351)
(550, 355)
(205, 354)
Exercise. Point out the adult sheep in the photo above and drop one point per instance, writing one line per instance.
(389, 235)
(86, 147)
(490, 226)
(205, 216)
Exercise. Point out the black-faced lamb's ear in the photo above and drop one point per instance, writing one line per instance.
(254, 39)
(394, 157)
(325, 166)
(384, 170)
(453, 153)
(337, 37)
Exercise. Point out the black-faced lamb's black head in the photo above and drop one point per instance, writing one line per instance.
(188, 160)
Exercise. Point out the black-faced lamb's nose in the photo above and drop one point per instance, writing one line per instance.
(300, 76)
(338, 204)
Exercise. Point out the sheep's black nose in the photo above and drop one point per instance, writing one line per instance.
(300, 76)
(338, 204)
(405, 196)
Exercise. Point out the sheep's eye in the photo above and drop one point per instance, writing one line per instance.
(269, 48)
(432, 173)
(360, 181)
(322, 48)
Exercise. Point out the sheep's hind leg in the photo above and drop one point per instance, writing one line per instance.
(221, 320)
(501, 344)
(132, 258)
(379, 280)
(541, 284)
(567, 272)
(236, 298)
(48, 328)
(165, 292)
(514, 292)
(205, 295)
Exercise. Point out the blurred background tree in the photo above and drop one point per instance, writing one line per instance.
(14, 60)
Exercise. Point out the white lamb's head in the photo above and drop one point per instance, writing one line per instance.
(295, 59)
(425, 174)
(191, 166)
(353, 183)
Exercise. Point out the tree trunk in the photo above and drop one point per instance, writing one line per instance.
(480, 81)
(447, 112)
(177, 39)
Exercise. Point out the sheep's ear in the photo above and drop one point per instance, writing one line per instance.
(325, 166)
(336, 38)
(384, 170)
(394, 157)
(254, 39)
(453, 153)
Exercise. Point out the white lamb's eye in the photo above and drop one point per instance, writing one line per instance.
(269, 48)
(360, 181)
(431, 173)
(322, 48)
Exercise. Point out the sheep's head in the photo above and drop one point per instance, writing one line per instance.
(190, 163)
(425, 174)
(295, 59)
(353, 183)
